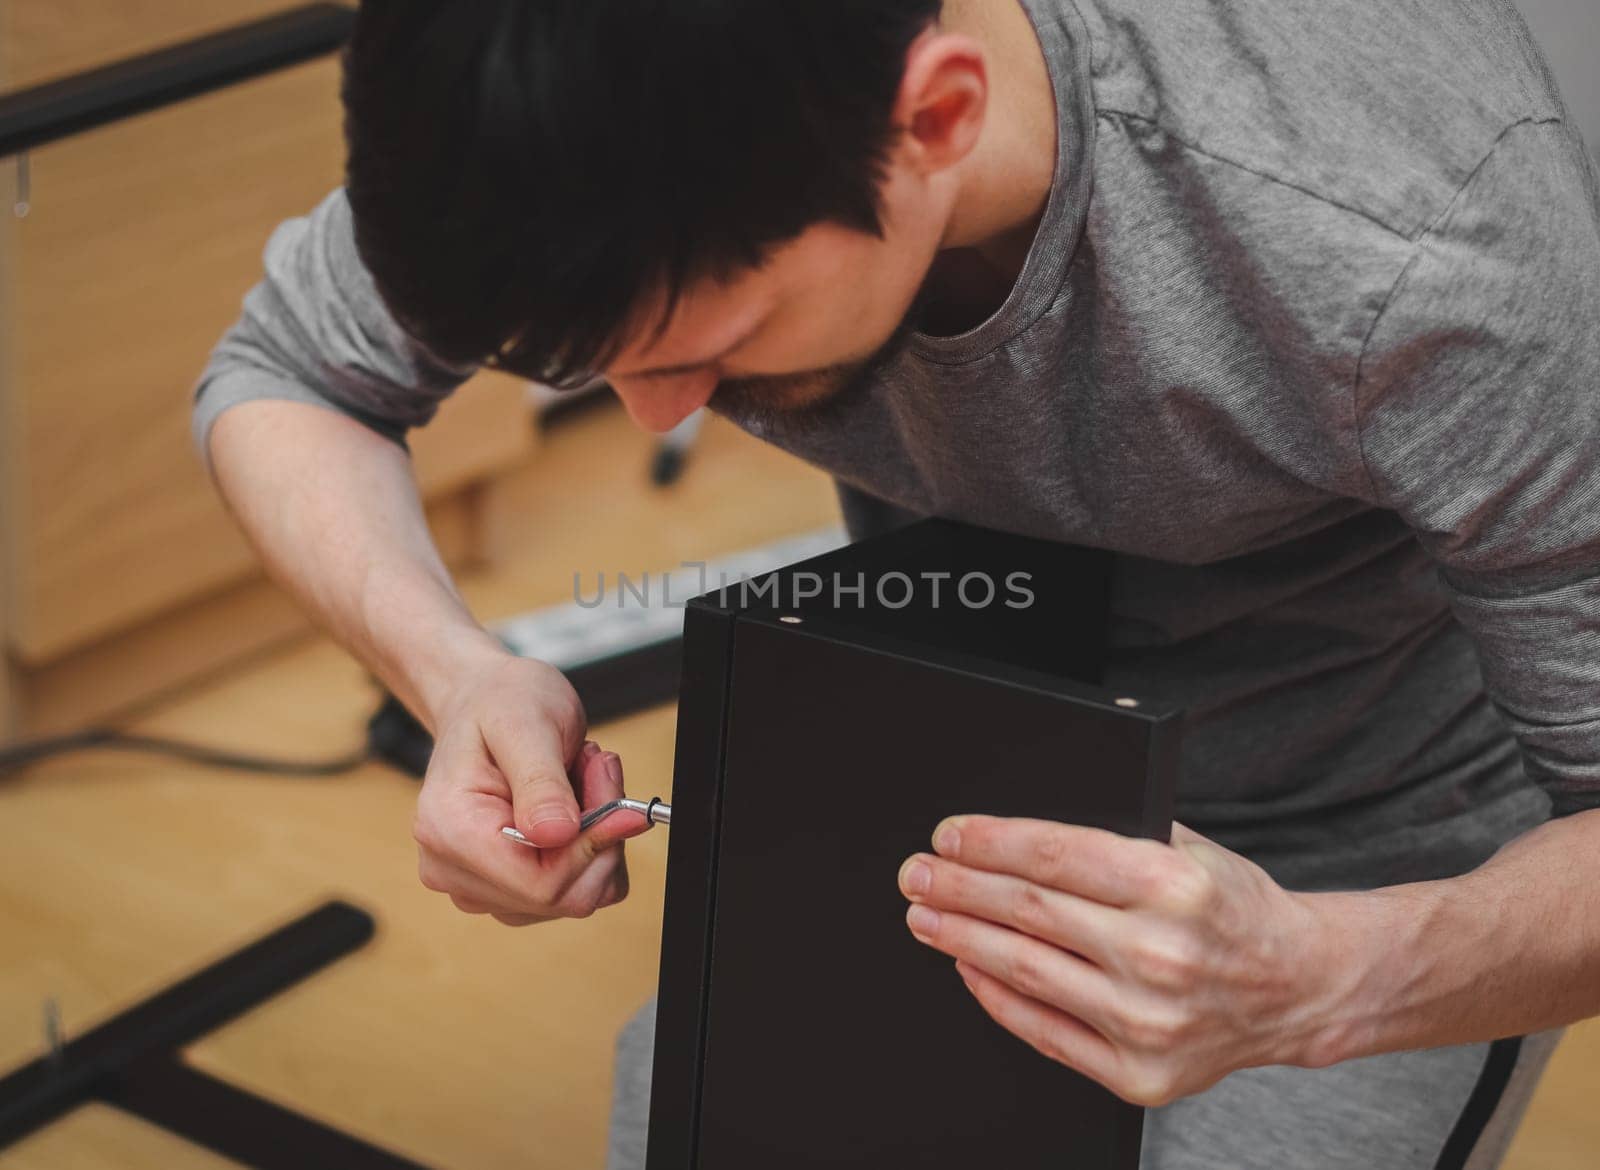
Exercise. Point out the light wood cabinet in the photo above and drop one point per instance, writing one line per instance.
(123, 575)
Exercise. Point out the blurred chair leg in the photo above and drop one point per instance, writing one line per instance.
(672, 452)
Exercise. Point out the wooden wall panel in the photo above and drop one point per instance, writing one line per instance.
(191, 642)
(142, 239)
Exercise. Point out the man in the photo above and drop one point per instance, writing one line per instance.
(1290, 304)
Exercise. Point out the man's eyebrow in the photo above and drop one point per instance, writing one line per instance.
(690, 367)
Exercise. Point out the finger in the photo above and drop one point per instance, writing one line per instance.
(518, 919)
(603, 783)
(467, 906)
(458, 825)
(529, 879)
(576, 899)
(1035, 969)
(466, 888)
(530, 755)
(1184, 835)
(1055, 1033)
(1091, 929)
(603, 879)
(604, 883)
(1076, 859)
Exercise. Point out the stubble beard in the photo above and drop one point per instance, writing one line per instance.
(807, 397)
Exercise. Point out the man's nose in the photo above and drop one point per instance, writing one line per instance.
(659, 404)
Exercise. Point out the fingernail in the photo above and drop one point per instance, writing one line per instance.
(548, 812)
(614, 768)
(923, 922)
(947, 839)
(589, 748)
(915, 877)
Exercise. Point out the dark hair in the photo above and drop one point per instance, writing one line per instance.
(524, 174)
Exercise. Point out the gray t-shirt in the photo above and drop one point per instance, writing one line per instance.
(1310, 338)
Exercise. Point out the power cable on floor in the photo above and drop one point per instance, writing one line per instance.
(20, 755)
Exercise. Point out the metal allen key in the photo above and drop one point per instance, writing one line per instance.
(655, 810)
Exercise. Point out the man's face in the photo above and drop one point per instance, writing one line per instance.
(793, 333)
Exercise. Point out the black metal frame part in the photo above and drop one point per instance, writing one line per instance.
(819, 743)
(44, 113)
(133, 1062)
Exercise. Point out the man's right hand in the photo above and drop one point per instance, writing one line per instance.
(510, 750)
(333, 509)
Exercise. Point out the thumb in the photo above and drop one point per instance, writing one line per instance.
(1183, 835)
(543, 804)
(1200, 847)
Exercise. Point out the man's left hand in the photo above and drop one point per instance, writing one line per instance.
(1154, 969)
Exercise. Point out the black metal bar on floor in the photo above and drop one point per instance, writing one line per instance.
(104, 1063)
(239, 1125)
(43, 113)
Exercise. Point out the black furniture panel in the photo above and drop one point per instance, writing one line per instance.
(800, 1024)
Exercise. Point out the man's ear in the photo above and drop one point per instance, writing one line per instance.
(943, 98)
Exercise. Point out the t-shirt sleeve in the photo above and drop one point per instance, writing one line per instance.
(315, 330)
(1478, 405)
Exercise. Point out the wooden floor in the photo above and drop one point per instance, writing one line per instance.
(451, 1039)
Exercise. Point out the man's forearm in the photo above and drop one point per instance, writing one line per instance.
(1510, 948)
(333, 510)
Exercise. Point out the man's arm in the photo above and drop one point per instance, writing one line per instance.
(1158, 969)
(1480, 408)
(1509, 949)
(333, 510)
(301, 414)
